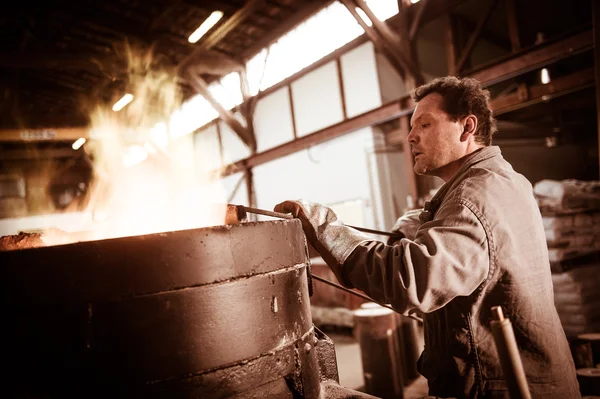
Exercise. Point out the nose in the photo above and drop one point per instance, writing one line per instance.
(412, 137)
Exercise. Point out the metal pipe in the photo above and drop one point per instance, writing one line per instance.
(508, 352)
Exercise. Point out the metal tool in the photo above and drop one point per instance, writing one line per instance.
(242, 210)
(358, 294)
(237, 213)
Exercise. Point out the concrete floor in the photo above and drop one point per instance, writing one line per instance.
(350, 367)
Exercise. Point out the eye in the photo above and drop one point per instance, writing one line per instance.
(424, 125)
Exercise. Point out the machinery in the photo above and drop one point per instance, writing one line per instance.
(205, 313)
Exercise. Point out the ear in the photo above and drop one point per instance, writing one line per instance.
(469, 127)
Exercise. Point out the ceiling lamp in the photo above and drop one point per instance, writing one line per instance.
(211, 21)
(545, 76)
(126, 99)
(78, 143)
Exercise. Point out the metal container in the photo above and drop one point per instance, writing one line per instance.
(205, 313)
(377, 332)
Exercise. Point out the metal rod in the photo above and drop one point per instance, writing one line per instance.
(358, 294)
(289, 216)
(267, 213)
(382, 233)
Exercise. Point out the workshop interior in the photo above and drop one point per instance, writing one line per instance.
(144, 146)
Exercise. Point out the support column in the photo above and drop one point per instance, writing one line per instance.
(596, 18)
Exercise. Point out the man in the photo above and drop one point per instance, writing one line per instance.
(478, 243)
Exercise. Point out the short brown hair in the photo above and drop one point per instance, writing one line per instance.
(463, 97)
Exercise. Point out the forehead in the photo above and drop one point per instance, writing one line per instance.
(430, 104)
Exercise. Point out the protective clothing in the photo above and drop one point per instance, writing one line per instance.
(478, 243)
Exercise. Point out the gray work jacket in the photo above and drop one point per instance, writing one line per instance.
(480, 243)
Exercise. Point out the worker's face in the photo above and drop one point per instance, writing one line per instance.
(435, 139)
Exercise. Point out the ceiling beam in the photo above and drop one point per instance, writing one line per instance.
(596, 41)
(525, 62)
(416, 22)
(44, 134)
(534, 58)
(37, 154)
(513, 25)
(466, 53)
(227, 116)
(231, 23)
(486, 34)
(529, 95)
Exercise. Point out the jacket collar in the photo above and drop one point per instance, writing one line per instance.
(474, 158)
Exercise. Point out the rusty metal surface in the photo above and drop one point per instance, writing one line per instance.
(199, 313)
(326, 356)
(129, 266)
(206, 327)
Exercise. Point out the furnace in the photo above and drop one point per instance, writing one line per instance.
(206, 313)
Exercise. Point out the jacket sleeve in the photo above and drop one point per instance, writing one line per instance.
(449, 257)
(407, 225)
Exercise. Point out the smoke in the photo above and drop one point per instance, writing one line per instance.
(143, 182)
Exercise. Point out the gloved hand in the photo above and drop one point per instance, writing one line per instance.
(325, 232)
(407, 225)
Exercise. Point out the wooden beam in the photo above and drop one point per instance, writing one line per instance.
(338, 65)
(416, 23)
(513, 25)
(36, 154)
(534, 58)
(527, 60)
(450, 41)
(527, 96)
(486, 34)
(231, 23)
(596, 38)
(399, 46)
(243, 133)
(44, 134)
(384, 113)
(466, 53)
(373, 35)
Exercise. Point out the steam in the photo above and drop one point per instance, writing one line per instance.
(143, 182)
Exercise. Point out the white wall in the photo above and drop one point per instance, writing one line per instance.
(234, 148)
(361, 84)
(317, 100)
(328, 173)
(273, 120)
(233, 196)
(207, 148)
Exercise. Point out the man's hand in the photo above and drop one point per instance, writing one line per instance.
(303, 210)
(324, 231)
(297, 211)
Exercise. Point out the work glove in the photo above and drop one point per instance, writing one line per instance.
(325, 232)
(406, 226)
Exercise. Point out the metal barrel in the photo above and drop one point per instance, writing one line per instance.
(377, 332)
(205, 313)
(410, 348)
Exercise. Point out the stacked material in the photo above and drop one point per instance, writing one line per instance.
(577, 299)
(571, 215)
